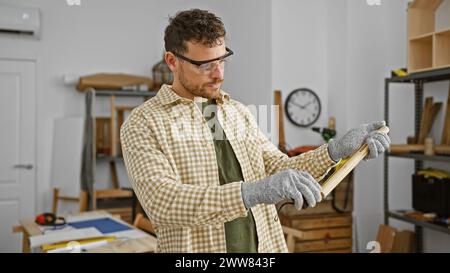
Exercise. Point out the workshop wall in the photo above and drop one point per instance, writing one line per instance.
(340, 49)
(124, 36)
(344, 49)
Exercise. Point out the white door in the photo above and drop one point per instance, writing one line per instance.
(17, 148)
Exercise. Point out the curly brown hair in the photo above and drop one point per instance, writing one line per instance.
(193, 25)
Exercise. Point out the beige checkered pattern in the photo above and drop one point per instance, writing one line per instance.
(170, 158)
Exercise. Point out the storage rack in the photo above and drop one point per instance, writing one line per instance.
(419, 80)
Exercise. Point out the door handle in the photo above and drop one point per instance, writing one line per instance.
(23, 166)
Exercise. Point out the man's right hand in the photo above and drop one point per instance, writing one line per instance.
(292, 184)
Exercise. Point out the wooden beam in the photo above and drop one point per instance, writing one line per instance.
(445, 140)
(424, 120)
(347, 167)
(426, 4)
(280, 121)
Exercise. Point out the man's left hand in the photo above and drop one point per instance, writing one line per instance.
(367, 133)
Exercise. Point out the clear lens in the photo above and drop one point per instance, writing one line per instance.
(208, 67)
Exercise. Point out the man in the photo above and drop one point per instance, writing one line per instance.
(208, 180)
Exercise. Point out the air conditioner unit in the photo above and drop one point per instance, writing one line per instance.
(18, 20)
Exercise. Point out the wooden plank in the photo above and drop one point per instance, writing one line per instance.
(344, 250)
(114, 177)
(406, 148)
(323, 245)
(55, 200)
(17, 229)
(420, 22)
(102, 136)
(432, 5)
(350, 163)
(404, 242)
(113, 127)
(442, 149)
(30, 227)
(120, 120)
(113, 193)
(325, 222)
(83, 204)
(424, 120)
(320, 234)
(124, 108)
(435, 108)
(385, 237)
(280, 121)
(445, 140)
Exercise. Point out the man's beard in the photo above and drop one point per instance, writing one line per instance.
(201, 90)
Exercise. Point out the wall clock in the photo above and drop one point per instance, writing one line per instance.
(303, 107)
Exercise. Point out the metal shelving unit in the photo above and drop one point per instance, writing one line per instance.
(418, 79)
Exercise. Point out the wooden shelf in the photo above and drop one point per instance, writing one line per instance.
(428, 49)
(421, 53)
(422, 37)
(432, 5)
(399, 216)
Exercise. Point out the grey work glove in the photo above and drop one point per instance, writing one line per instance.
(288, 184)
(354, 139)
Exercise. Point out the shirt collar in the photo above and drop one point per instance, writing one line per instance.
(166, 95)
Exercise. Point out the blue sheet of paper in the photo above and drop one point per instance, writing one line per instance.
(104, 225)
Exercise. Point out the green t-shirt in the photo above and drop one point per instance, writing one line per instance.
(240, 233)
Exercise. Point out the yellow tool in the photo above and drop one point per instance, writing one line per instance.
(48, 247)
(401, 72)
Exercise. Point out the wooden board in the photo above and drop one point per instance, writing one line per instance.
(280, 121)
(323, 245)
(113, 127)
(350, 163)
(385, 237)
(406, 148)
(426, 4)
(424, 120)
(343, 250)
(325, 222)
(322, 234)
(445, 140)
(432, 118)
(442, 149)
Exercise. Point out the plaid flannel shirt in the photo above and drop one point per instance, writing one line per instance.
(170, 159)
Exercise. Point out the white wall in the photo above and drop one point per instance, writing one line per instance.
(344, 49)
(341, 49)
(299, 58)
(377, 44)
(127, 37)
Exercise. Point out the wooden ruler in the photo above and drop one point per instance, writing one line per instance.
(280, 121)
(350, 163)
